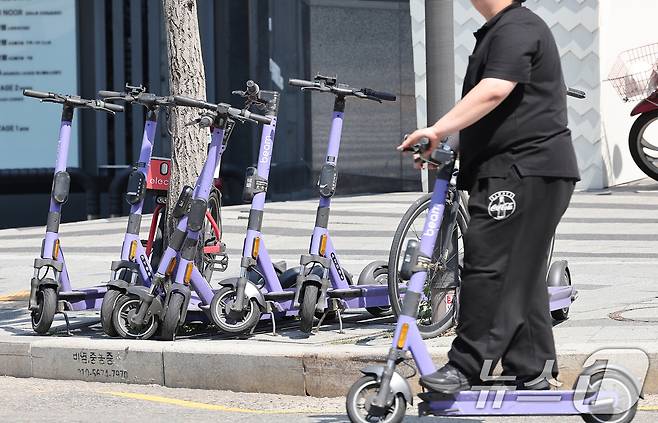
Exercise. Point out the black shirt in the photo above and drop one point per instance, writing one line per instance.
(528, 129)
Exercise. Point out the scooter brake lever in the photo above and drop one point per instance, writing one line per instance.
(320, 89)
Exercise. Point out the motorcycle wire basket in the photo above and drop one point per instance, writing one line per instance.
(635, 73)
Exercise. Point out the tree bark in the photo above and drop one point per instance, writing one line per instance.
(186, 77)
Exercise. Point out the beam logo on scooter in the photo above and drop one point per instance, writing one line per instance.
(434, 221)
(267, 149)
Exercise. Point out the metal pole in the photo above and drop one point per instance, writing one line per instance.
(440, 62)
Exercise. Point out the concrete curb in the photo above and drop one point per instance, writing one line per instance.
(242, 366)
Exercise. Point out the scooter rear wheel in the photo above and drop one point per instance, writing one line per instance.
(127, 306)
(42, 317)
(562, 314)
(380, 276)
(220, 305)
(109, 302)
(358, 400)
(626, 392)
(172, 318)
(307, 307)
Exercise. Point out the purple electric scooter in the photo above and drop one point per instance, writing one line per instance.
(52, 295)
(602, 394)
(140, 312)
(324, 287)
(264, 289)
(135, 264)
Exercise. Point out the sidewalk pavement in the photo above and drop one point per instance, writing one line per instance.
(610, 239)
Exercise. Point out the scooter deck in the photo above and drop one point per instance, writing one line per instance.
(362, 296)
(85, 298)
(561, 296)
(503, 402)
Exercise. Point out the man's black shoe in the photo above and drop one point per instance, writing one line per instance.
(447, 380)
(533, 385)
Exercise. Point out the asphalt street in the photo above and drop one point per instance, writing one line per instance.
(41, 400)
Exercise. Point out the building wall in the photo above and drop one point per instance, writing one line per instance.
(624, 25)
(367, 44)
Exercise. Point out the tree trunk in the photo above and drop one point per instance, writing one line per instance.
(186, 77)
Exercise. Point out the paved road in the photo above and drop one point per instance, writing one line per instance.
(32, 400)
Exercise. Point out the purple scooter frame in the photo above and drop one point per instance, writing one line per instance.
(142, 310)
(323, 285)
(393, 391)
(134, 265)
(264, 289)
(52, 295)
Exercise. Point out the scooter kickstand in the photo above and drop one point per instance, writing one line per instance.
(270, 308)
(317, 328)
(66, 320)
(340, 320)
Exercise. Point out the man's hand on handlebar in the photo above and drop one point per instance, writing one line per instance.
(415, 137)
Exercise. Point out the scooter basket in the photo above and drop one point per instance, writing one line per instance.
(635, 73)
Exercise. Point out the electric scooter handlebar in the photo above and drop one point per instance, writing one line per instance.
(74, 101)
(222, 108)
(329, 85)
(379, 94)
(137, 95)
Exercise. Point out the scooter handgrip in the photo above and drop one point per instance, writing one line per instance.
(36, 94)
(301, 83)
(258, 118)
(379, 94)
(191, 102)
(113, 107)
(104, 93)
(572, 92)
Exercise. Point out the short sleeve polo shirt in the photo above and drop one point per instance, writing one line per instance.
(528, 129)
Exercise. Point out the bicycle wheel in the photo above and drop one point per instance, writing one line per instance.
(208, 236)
(643, 143)
(438, 307)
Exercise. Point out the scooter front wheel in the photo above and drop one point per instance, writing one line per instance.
(228, 320)
(307, 307)
(125, 308)
(358, 401)
(172, 317)
(43, 315)
(109, 301)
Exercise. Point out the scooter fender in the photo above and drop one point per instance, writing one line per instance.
(599, 366)
(118, 285)
(398, 384)
(36, 285)
(141, 292)
(250, 291)
(185, 291)
(554, 277)
(367, 275)
(302, 281)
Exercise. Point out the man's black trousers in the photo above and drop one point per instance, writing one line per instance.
(504, 312)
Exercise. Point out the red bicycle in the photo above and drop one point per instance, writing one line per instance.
(214, 250)
(635, 77)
